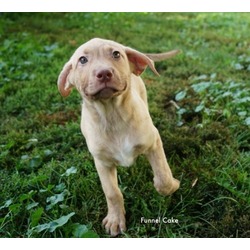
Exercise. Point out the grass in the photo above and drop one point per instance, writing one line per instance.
(200, 104)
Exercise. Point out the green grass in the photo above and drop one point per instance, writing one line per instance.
(48, 183)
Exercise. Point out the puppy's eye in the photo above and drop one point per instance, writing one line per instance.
(116, 54)
(83, 59)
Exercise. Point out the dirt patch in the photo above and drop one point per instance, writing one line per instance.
(60, 118)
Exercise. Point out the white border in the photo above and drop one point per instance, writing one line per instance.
(123, 244)
(124, 5)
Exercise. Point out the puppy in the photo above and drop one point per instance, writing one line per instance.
(115, 119)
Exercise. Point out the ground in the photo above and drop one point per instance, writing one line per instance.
(200, 104)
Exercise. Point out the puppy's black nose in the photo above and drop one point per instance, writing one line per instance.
(104, 75)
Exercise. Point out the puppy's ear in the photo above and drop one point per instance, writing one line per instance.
(139, 61)
(63, 83)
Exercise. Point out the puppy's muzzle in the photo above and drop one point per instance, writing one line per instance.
(105, 85)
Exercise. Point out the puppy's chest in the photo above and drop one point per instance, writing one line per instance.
(116, 139)
(125, 151)
(119, 150)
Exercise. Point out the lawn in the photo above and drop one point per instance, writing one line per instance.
(200, 104)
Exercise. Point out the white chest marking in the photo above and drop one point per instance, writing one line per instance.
(126, 153)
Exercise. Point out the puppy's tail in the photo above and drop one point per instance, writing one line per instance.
(163, 56)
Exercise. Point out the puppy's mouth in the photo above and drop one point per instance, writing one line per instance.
(105, 93)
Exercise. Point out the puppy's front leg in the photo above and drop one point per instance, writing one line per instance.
(163, 179)
(114, 222)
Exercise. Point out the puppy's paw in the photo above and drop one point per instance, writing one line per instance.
(114, 224)
(166, 187)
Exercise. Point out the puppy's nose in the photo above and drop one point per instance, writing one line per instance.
(104, 75)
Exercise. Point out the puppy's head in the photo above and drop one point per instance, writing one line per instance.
(101, 69)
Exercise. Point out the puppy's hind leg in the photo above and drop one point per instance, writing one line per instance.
(114, 222)
(164, 181)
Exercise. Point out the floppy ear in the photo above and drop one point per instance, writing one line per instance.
(139, 61)
(64, 86)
